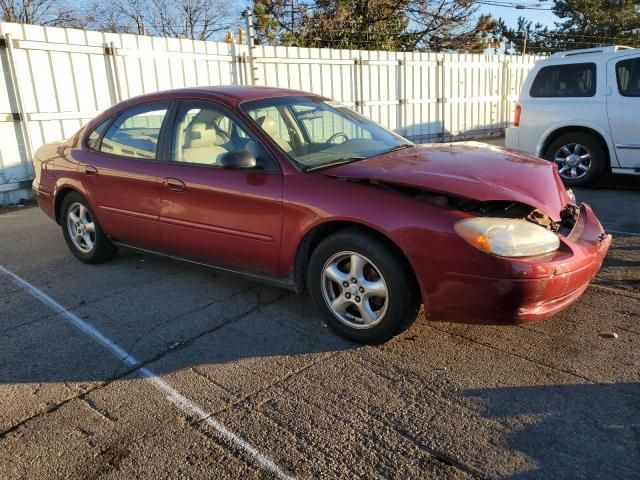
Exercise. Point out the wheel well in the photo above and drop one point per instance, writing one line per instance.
(313, 238)
(589, 131)
(59, 199)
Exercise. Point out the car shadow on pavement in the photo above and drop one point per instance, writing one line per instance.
(590, 430)
(189, 318)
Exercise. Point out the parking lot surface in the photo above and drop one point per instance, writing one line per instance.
(227, 378)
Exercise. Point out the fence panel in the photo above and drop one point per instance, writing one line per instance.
(56, 79)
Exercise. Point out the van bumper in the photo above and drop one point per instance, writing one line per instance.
(512, 138)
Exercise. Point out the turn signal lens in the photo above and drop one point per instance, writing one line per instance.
(516, 116)
(507, 237)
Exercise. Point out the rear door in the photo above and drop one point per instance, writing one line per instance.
(623, 109)
(119, 171)
(231, 218)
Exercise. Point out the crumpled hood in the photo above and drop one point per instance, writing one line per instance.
(467, 169)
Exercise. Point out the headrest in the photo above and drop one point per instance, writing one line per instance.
(269, 125)
(201, 136)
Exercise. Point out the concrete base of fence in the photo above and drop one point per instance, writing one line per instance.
(14, 193)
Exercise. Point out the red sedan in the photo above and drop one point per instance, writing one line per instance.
(298, 190)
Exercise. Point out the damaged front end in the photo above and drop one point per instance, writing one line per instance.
(500, 227)
(490, 208)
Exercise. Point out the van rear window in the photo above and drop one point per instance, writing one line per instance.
(572, 80)
(628, 75)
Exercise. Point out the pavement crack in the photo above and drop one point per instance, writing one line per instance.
(52, 408)
(97, 410)
(522, 357)
(441, 456)
(80, 395)
(211, 380)
(132, 347)
(615, 291)
(270, 385)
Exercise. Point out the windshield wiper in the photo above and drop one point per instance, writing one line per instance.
(335, 163)
(399, 147)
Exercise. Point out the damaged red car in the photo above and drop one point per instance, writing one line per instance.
(298, 190)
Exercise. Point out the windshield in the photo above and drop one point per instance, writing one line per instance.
(316, 133)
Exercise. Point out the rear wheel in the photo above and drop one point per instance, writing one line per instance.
(580, 157)
(82, 232)
(362, 286)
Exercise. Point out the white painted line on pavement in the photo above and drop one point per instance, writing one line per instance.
(606, 226)
(633, 234)
(175, 397)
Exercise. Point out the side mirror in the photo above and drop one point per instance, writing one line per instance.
(240, 159)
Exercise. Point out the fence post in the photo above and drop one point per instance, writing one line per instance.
(250, 45)
(110, 52)
(442, 98)
(506, 90)
(402, 69)
(359, 97)
(235, 61)
(19, 116)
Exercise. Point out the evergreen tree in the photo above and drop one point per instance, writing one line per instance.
(400, 25)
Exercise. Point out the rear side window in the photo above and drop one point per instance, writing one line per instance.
(572, 80)
(628, 76)
(135, 133)
(93, 141)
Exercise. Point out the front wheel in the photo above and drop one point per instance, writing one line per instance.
(82, 232)
(362, 286)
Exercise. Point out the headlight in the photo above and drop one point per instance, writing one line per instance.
(572, 196)
(507, 237)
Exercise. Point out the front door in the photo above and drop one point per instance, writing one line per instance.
(623, 109)
(231, 218)
(119, 172)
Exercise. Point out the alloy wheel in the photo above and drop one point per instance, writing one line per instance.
(81, 227)
(354, 290)
(573, 160)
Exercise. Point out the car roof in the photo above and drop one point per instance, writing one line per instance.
(229, 94)
(237, 92)
(591, 54)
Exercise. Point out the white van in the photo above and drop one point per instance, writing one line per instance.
(581, 109)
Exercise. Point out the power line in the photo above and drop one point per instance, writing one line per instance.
(517, 6)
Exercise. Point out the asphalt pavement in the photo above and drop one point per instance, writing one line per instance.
(219, 377)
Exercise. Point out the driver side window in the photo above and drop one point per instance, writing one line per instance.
(203, 133)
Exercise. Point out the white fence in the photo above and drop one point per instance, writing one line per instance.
(57, 79)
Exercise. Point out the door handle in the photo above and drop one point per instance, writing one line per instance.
(90, 171)
(174, 184)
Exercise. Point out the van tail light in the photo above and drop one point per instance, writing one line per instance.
(516, 116)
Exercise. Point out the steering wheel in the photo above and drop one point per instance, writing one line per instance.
(337, 135)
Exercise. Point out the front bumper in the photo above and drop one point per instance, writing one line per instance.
(533, 289)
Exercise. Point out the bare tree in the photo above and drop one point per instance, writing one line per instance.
(194, 19)
(56, 13)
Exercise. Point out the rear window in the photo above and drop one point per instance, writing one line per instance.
(572, 80)
(628, 76)
(94, 137)
(135, 133)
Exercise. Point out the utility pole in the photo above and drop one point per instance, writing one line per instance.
(524, 45)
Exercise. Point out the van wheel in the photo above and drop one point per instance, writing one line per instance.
(362, 286)
(580, 158)
(82, 232)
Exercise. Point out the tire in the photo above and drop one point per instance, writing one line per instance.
(570, 148)
(381, 267)
(93, 246)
